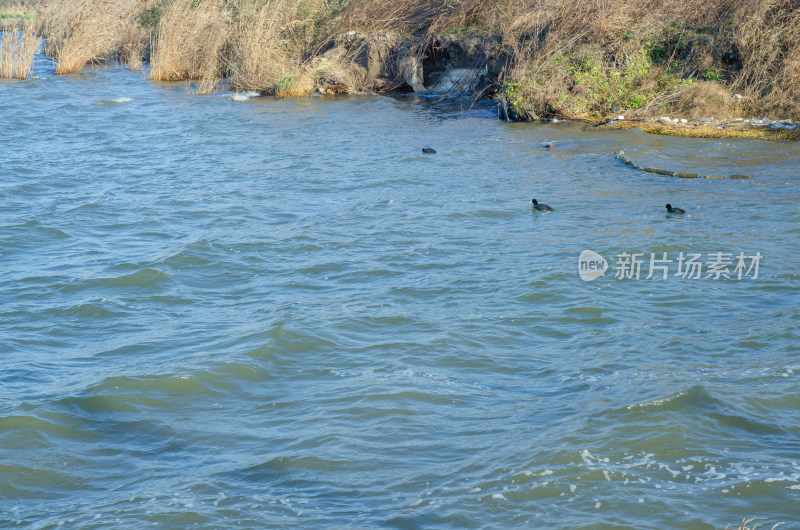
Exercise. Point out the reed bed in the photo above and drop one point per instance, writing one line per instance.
(421, 16)
(275, 44)
(80, 32)
(260, 56)
(189, 41)
(564, 57)
(135, 44)
(17, 49)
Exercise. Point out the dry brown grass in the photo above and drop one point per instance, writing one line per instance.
(702, 99)
(746, 47)
(295, 85)
(17, 50)
(22, 8)
(568, 57)
(763, 34)
(421, 16)
(190, 38)
(260, 56)
(134, 46)
(336, 73)
(274, 49)
(79, 32)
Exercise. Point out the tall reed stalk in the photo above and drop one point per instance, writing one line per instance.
(79, 32)
(260, 57)
(17, 50)
(189, 41)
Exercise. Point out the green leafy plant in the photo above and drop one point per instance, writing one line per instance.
(151, 17)
(658, 52)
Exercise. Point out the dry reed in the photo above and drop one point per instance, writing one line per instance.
(335, 73)
(260, 57)
(189, 41)
(17, 50)
(747, 524)
(566, 57)
(133, 47)
(79, 32)
(274, 48)
(414, 16)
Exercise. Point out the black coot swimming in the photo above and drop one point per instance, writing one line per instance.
(541, 207)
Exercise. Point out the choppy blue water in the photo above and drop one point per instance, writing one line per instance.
(275, 313)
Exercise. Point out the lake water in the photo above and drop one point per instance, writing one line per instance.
(279, 313)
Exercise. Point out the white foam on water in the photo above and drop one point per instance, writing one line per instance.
(114, 100)
(499, 496)
(714, 474)
(244, 96)
(673, 472)
(795, 477)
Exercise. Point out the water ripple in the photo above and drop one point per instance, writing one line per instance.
(280, 313)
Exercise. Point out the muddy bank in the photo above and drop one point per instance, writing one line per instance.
(477, 66)
(446, 64)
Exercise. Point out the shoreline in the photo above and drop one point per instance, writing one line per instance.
(718, 129)
(711, 128)
(622, 72)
